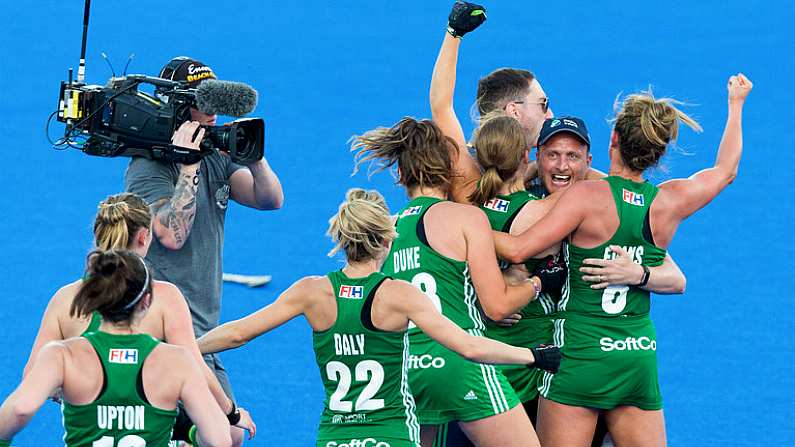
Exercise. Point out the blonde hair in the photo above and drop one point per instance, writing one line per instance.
(119, 217)
(645, 125)
(500, 143)
(361, 226)
(419, 149)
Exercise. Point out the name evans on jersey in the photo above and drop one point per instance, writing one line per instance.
(635, 253)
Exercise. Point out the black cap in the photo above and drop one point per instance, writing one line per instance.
(183, 68)
(568, 124)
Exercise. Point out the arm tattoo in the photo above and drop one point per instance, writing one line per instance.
(177, 214)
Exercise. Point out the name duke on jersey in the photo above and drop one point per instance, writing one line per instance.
(406, 259)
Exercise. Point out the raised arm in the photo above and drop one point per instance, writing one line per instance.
(42, 379)
(174, 215)
(692, 194)
(464, 17)
(497, 299)
(443, 114)
(291, 303)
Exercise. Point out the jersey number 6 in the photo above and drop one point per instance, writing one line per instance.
(614, 299)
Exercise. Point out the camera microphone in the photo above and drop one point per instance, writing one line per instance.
(228, 98)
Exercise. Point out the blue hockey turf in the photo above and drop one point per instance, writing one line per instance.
(327, 70)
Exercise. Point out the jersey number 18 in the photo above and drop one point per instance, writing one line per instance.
(126, 441)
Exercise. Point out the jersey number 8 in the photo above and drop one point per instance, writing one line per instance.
(365, 370)
(426, 283)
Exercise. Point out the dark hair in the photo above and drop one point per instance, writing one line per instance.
(419, 148)
(114, 283)
(502, 86)
(500, 143)
(645, 126)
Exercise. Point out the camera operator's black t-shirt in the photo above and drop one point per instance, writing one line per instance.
(196, 267)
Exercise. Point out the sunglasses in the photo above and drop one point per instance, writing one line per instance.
(544, 104)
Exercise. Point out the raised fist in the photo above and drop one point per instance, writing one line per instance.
(739, 87)
(465, 17)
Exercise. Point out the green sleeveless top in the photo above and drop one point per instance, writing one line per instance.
(121, 415)
(364, 369)
(633, 201)
(445, 281)
(501, 212)
(94, 324)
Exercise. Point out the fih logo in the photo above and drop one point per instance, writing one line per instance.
(352, 292)
(497, 205)
(123, 356)
(412, 211)
(633, 198)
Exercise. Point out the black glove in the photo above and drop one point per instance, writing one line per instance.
(552, 272)
(547, 358)
(465, 17)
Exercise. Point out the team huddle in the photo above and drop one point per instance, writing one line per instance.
(506, 304)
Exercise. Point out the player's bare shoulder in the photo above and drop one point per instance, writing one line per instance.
(310, 291)
(166, 356)
(460, 213)
(168, 293)
(313, 284)
(392, 287)
(585, 191)
(76, 349)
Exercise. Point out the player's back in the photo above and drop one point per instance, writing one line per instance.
(364, 371)
(633, 201)
(121, 414)
(445, 281)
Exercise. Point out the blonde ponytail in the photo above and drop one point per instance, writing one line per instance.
(645, 125)
(119, 217)
(362, 226)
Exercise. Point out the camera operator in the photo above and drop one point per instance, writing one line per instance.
(189, 202)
